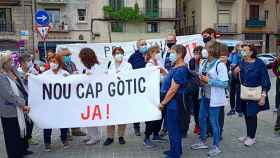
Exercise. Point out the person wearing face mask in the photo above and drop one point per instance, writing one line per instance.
(194, 65)
(137, 61)
(165, 54)
(234, 60)
(153, 127)
(56, 68)
(252, 72)
(117, 65)
(71, 68)
(214, 80)
(13, 106)
(172, 90)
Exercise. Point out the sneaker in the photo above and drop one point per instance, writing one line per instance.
(163, 133)
(33, 142)
(137, 132)
(157, 138)
(199, 145)
(121, 140)
(250, 142)
(48, 148)
(148, 143)
(196, 130)
(214, 151)
(242, 139)
(86, 139)
(108, 141)
(92, 142)
(231, 112)
(66, 145)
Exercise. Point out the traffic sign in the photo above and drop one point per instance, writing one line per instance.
(42, 18)
(43, 31)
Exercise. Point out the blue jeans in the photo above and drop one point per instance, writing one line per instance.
(213, 114)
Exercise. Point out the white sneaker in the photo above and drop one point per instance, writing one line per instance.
(86, 139)
(92, 142)
(214, 151)
(199, 145)
(250, 142)
(242, 139)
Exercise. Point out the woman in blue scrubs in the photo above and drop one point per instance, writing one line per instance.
(173, 90)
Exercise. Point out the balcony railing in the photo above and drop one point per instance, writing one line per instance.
(158, 13)
(52, 1)
(7, 27)
(228, 28)
(9, 2)
(255, 23)
(189, 30)
(59, 28)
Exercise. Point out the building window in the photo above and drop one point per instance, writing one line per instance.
(117, 27)
(6, 20)
(117, 4)
(266, 14)
(54, 15)
(224, 16)
(254, 11)
(82, 15)
(152, 8)
(152, 27)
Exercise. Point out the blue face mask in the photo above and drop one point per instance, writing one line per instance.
(67, 59)
(173, 58)
(143, 49)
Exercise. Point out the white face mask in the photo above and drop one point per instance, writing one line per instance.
(204, 53)
(119, 57)
(54, 66)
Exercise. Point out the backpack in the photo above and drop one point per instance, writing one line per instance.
(193, 82)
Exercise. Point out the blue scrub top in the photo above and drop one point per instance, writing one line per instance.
(179, 75)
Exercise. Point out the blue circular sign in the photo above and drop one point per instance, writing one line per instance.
(42, 18)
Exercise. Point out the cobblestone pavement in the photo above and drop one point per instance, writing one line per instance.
(267, 146)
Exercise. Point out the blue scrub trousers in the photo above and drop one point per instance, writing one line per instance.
(174, 133)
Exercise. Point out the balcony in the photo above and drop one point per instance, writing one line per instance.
(59, 28)
(6, 28)
(229, 28)
(158, 13)
(255, 23)
(56, 2)
(9, 2)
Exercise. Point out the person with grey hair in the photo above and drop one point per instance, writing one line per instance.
(13, 99)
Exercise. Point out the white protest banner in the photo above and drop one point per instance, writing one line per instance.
(104, 50)
(94, 100)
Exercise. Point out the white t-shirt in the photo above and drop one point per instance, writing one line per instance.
(60, 72)
(123, 67)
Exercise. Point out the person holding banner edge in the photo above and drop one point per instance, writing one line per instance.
(173, 88)
(90, 61)
(115, 66)
(56, 68)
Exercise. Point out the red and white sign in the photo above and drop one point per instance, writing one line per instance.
(94, 100)
(43, 31)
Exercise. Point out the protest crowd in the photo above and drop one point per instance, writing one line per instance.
(198, 87)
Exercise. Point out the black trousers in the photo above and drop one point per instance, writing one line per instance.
(277, 98)
(29, 127)
(15, 145)
(277, 124)
(48, 134)
(136, 125)
(234, 83)
(152, 127)
(196, 107)
(251, 124)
